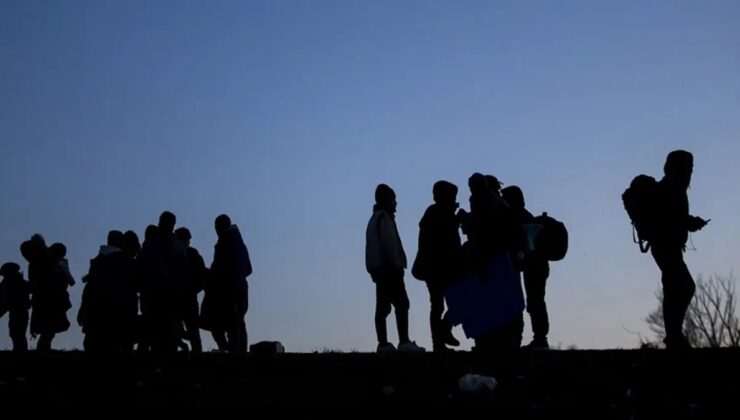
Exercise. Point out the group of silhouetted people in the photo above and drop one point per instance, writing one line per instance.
(141, 297)
(499, 228)
(145, 296)
(494, 226)
(45, 292)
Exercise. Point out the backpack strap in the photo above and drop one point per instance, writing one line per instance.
(644, 245)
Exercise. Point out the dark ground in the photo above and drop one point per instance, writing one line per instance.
(621, 384)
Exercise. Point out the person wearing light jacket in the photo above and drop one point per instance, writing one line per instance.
(385, 260)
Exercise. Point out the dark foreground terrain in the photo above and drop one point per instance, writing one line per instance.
(620, 384)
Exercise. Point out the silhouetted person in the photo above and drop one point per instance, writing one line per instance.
(385, 260)
(196, 277)
(506, 228)
(439, 258)
(60, 265)
(164, 265)
(491, 230)
(108, 310)
(489, 225)
(535, 269)
(480, 223)
(673, 226)
(16, 300)
(226, 299)
(49, 298)
(143, 282)
(131, 244)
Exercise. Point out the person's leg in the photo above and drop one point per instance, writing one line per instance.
(219, 336)
(382, 307)
(535, 281)
(192, 326)
(400, 301)
(678, 290)
(436, 301)
(17, 327)
(45, 340)
(242, 309)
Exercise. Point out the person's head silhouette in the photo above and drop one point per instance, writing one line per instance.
(514, 196)
(679, 165)
(222, 223)
(385, 198)
(167, 222)
(445, 193)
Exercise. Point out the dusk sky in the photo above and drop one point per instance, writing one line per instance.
(286, 115)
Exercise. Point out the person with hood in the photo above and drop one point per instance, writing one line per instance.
(674, 223)
(385, 260)
(439, 258)
(488, 225)
(131, 245)
(108, 310)
(15, 299)
(490, 229)
(226, 299)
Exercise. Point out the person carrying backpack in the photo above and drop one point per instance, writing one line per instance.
(660, 213)
(535, 269)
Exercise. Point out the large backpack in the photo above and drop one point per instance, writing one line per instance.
(641, 200)
(552, 241)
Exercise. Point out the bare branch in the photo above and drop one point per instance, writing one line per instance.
(711, 319)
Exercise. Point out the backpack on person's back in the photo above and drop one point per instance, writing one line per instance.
(552, 239)
(640, 201)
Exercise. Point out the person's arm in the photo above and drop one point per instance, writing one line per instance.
(389, 245)
(696, 223)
